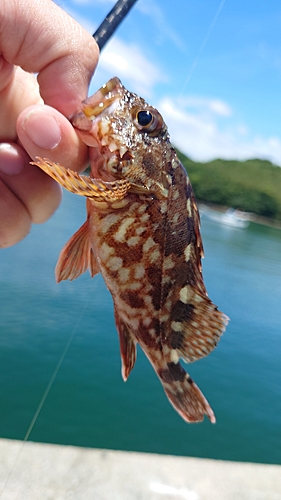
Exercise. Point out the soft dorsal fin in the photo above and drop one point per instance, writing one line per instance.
(77, 256)
(197, 325)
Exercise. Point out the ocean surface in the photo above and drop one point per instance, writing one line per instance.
(59, 355)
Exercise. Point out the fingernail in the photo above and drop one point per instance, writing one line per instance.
(43, 129)
(11, 161)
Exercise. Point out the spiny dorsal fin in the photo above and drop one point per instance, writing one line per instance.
(76, 256)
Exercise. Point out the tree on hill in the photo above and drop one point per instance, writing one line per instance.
(252, 186)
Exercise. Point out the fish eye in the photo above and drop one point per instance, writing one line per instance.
(148, 120)
(144, 118)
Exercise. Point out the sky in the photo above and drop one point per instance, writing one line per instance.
(211, 67)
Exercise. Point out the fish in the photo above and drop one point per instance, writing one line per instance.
(142, 233)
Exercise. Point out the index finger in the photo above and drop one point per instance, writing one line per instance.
(44, 39)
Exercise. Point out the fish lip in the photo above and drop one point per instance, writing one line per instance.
(108, 94)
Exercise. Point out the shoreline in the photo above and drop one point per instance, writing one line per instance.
(257, 219)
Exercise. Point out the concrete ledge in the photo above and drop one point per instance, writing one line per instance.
(34, 471)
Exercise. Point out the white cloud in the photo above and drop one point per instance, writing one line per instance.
(206, 131)
(128, 62)
(220, 107)
(205, 105)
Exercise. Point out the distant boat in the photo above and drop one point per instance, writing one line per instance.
(232, 217)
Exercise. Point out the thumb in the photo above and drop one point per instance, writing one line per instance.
(42, 38)
(45, 132)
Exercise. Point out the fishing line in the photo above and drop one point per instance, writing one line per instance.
(203, 45)
(45, 394)
(102, 35)
(54, 374)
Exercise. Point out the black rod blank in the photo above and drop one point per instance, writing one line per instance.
(112, 21)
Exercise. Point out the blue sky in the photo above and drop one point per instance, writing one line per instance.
(211, 67)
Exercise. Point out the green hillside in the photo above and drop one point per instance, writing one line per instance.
(252, 185)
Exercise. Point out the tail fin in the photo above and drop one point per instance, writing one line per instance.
(184, 394)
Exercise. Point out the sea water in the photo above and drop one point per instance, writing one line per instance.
(59, 352)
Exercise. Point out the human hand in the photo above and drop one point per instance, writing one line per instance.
(38, 37)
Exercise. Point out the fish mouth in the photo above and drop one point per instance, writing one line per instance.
(94, 106)
(108, 94)
(93, 129)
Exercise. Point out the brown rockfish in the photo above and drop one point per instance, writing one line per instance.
(142, 234)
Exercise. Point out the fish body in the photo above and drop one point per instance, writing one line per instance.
(142, 233)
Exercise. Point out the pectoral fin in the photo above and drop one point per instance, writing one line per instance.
(83, 185)
(127, 347)
(76, 256)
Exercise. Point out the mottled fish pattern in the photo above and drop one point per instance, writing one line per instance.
(142, 234)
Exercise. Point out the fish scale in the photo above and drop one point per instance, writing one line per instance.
(142, 234)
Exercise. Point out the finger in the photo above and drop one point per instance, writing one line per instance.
(15, 219)
(18, 90)
(44, 132)
(55, 46)
(36, 192)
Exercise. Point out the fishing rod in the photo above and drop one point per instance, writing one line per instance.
(112, 21)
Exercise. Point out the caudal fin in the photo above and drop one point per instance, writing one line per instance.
(184, 394)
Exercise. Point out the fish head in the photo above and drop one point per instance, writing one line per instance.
(128, 139)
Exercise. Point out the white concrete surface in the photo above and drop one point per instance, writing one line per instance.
(34, 471)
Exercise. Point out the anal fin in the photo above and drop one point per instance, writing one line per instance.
(76, 256)
(128, 349)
